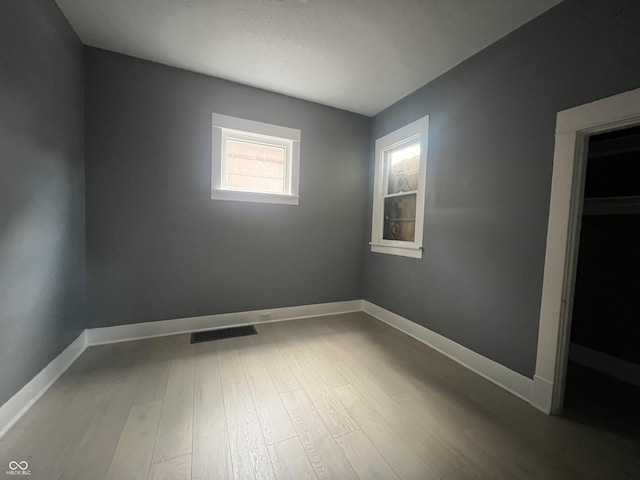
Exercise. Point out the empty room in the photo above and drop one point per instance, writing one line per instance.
(319, 239)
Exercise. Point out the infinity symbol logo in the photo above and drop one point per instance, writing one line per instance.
(13, 465)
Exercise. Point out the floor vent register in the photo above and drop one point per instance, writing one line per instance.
(221, 334)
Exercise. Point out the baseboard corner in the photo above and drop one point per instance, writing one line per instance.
(541, 396)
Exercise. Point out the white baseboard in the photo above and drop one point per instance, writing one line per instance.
(542, 394)
(607, 364)
(511, 381)
(17, 405)
(22, 401)
(136, 331)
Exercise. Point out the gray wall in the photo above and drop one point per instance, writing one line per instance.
(158, 247)
(41, 189)
(492, 122)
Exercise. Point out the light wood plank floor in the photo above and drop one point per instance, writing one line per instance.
(337, 397)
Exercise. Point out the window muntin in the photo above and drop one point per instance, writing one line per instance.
(254, 161)
(399, 191)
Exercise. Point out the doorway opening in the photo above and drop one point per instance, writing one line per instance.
(574, 128)
(603, 374)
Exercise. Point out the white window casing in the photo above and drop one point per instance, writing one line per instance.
(226, 128)
(405, 137)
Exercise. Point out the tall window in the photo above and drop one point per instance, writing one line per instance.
(254, 161)
(399, 190)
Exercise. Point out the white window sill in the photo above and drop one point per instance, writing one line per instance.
(240, 196)
(412, 250)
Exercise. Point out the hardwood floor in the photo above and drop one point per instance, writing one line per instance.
(338, 397)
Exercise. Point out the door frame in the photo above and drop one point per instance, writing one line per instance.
(573, 129)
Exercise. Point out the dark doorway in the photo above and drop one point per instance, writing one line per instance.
(603, 375)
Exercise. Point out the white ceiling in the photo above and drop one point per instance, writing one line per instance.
(358, 55)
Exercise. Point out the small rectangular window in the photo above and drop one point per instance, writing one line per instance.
(254, 161)
(254, 167)
(399, 191)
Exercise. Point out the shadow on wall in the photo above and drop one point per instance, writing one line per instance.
(40, 254)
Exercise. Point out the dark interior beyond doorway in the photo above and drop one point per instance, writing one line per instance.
(606, 306)
(613, 169)
(602, 402)
(603, 378)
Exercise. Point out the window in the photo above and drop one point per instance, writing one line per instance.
(254, 161)
(399, 190)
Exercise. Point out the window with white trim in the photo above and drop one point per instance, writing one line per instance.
(399, 190)
(254, 161)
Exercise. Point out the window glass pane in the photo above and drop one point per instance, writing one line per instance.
(254, 167)
(402, 166)
(400, 218)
